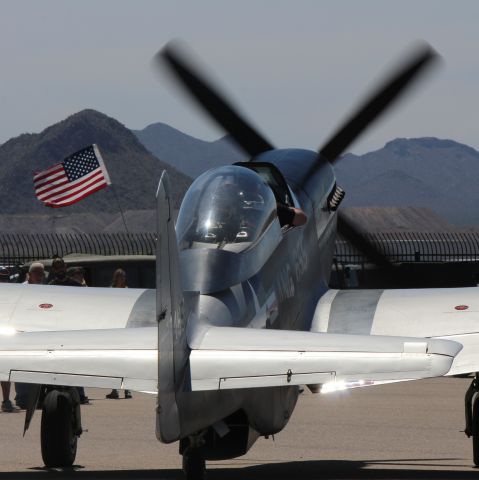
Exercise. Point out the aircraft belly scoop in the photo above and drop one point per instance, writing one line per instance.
(230, 358)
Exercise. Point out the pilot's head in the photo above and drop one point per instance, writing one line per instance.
(226, 217)
(229, 204)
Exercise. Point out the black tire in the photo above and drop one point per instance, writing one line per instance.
(475, 430)
(194, 466)
(59, 442)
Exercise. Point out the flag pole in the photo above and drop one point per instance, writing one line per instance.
(105, 173)
(119, 206)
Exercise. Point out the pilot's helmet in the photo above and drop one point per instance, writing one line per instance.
(226, 196)
(226, 214)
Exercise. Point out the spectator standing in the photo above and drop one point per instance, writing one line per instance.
(59, 274)
(77, 274)
(35, 276)
(60, 277)
(7, 405)
(119, 281)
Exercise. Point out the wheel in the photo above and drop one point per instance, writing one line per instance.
(475, 430)
(59, 442)
(193, 464)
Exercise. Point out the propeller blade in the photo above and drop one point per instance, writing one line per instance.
(212, 101)
(424, 56)
(350, 233)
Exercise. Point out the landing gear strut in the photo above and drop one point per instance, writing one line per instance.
(471, 402)
(60, 427)
(194, 466)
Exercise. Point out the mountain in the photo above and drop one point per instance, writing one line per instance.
(186, 153)
(431, 173)
(421, 172)
(396, 219)
(424, 173)
(133, 170)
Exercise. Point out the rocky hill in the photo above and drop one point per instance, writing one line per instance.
(430, 173)
(422, 172)
(133, 170)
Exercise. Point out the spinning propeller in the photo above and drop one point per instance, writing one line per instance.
(248, 138)
(213, 101)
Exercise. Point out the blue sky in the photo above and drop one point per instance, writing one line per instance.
(296, 68)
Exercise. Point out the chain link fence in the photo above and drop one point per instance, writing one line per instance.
(408, 247)
(401, 247)
(16, 249)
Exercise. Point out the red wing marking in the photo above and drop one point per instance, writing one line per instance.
(45, 305)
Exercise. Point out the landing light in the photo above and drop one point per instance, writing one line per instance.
(338, 385)
(334, 386)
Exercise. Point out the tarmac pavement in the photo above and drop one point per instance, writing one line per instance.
(403, 430)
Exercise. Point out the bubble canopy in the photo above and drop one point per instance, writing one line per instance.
(227, 208)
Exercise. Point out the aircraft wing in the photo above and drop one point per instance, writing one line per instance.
(222, 358)
(114, 358)
(445, 313)
(227, 358)
(359, 338)
(46, 307)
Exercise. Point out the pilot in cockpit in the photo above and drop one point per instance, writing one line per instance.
(230, 208)
(224, 221)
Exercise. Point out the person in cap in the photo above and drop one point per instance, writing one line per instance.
(59, 274)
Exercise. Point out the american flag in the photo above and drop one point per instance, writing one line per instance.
(78, 176)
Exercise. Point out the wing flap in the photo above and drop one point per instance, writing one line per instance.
(45, 378)
(114, 358)
(226, 358)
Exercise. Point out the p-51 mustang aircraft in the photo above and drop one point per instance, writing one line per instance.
(242, 315)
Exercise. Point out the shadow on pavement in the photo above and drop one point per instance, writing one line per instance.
(420, 469)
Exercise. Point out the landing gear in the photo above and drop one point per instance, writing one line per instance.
(60, 427)
(192, 449)
(471, 401)
(194, 466)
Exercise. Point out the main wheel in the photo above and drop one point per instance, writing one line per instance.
(59, 442)
(193, 464)
(475, 430)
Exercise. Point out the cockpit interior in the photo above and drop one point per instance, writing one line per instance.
(226, 208)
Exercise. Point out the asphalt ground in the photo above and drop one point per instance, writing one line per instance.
(404, 430)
